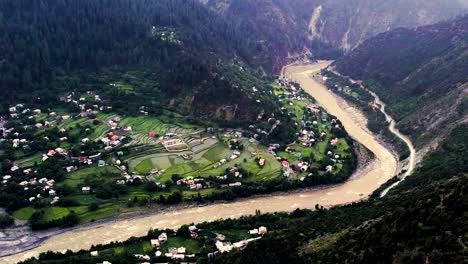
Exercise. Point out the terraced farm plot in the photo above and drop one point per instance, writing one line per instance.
(29, 161)
(218, 152)
(143, 138)
(24, 213)
(145, 124)
(144, 166)
(75, 178)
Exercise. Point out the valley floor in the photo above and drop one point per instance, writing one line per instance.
(362, 184)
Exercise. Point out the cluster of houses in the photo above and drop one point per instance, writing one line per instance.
(191, 182)
(235, 155)
(111, 140)
(180, 253)
(177, 253)
(85, 106)
(224, 246)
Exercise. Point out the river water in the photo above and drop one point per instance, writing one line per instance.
(363, 183)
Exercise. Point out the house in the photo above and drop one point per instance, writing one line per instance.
(155, 243)
(235, 184)
(94, 253)
(261, 162)
(85, 189)
(334, 141)
(152, 134)
(262, 230)
(329, 168)
(192, 228)
(101, 163)
(162, 238)
(52, 193)
(178, 256)
(253, 231)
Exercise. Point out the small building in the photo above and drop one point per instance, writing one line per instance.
(85, 189)
(261, 162)
(162, 238)
(253, 231)
(94, 253)
(155, 243)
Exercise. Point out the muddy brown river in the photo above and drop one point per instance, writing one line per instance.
(363, 183)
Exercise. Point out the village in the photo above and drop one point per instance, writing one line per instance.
(95, 154)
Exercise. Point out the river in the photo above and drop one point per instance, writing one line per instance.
(358, 187)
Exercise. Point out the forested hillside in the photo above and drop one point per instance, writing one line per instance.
(420, 73)
(347, 25)
(173, 53)
(285, 28)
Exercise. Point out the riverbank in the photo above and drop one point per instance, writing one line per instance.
(406, 167)
(357, 188)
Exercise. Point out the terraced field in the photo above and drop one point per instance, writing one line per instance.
(146, 124)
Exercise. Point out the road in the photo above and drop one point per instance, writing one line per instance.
(358, 187)
(395, 131)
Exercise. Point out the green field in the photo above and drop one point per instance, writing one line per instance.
(192, 246)
(78, 177)
(144, 167)
(24, 213)
(29, 161)
(145, 124)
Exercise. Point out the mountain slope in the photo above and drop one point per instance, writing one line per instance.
(172, 52)
(347, 25)
(420, 74)
(287, 27)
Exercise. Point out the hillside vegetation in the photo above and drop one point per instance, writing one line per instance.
(420, 73)
(169, 54)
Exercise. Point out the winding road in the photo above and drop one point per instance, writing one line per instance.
(358, 187)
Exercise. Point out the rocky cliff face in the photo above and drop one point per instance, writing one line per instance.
(285, 27)
(346, 25)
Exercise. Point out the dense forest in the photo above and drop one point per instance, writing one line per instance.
(170, 52)
(409, 68)
(421, 220)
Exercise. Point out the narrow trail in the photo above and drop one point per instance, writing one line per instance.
(412, 157)
(360, 185)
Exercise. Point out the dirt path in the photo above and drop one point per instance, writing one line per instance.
(360, 185)
(396, 132)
